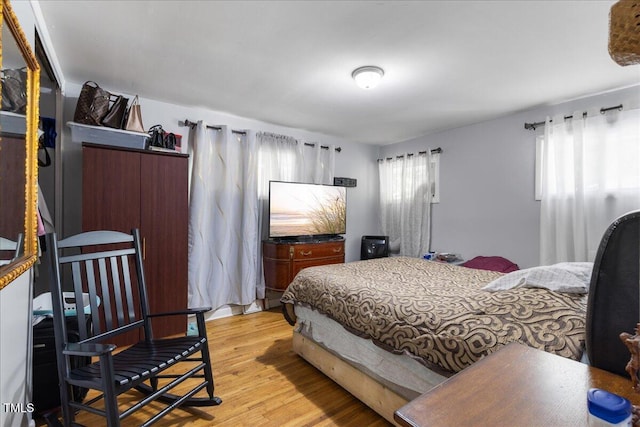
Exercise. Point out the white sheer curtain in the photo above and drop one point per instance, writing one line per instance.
(223, 219)
(318, 163)
(590, 176)
(279, 159)
(283, 158)
(228, 212)
(405, 201)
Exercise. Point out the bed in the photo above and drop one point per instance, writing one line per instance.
(390, 329)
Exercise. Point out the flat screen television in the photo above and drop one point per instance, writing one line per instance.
(300, 211)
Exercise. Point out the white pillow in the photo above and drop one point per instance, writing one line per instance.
(570, 277)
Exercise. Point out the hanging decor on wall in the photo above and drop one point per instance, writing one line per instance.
(624, 32)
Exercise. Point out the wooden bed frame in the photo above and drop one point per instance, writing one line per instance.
(367, 389)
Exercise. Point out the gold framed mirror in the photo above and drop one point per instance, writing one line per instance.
(20, 83)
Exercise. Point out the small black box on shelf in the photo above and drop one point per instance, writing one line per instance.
(345, 182)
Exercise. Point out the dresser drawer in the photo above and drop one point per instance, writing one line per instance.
(283, 260)
(318, 250)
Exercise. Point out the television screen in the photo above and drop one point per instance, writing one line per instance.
(297, 209)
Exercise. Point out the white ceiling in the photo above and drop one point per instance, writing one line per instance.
(447, 63)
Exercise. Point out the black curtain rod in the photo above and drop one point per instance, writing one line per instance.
(533, 126)
(434, 151)
(324, 147)
(308, 144)
(192, 125)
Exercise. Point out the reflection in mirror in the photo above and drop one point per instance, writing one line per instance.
(10, 249)
(13, 75)
(13, 156)
(19, 78)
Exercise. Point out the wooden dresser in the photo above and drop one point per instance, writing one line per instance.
(283, 260)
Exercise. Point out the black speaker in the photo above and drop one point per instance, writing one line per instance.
(374, 247)
(345, 182)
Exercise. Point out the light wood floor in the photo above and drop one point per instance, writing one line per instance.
(262, 382)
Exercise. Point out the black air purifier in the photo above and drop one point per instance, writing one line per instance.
(374, 247)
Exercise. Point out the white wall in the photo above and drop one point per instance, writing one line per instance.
(15, 351)
(355, 160)
(487, 204)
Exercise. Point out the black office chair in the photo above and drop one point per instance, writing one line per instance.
(374, 247)
(614, 297)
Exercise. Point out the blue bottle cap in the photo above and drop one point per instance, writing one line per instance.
(608, 406)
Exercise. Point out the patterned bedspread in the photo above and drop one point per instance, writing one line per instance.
(438, 312)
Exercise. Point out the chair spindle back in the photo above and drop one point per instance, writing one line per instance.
(105, 271)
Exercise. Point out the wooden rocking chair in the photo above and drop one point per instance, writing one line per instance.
(110, 298)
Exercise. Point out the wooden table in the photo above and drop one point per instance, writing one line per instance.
(516, 386)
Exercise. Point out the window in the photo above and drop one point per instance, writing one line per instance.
(587, 175)
(407, 189)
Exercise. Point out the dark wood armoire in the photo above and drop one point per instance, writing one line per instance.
(125, 188)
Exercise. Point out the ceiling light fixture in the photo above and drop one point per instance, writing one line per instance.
(367, 77)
